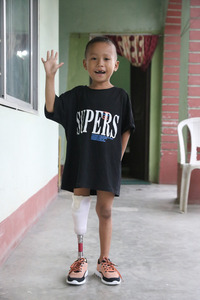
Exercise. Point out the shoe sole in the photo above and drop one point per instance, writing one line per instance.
(114, 282)
(75, 282)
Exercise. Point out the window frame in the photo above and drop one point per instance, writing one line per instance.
(5, 99)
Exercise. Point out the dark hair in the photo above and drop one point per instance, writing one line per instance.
(99, 39)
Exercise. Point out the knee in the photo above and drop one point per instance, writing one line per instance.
(104, 212)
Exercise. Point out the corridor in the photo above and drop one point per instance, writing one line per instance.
(156, 248)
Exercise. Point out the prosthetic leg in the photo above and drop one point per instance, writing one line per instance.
(80, 211)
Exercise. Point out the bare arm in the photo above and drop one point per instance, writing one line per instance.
(125, 138)
(51, 67)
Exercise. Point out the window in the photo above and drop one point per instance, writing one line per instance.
(18, 53)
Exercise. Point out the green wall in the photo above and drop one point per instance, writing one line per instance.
(80, 18)
(112, 15)
(77, 74)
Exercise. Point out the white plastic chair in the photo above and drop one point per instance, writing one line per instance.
(193, 125)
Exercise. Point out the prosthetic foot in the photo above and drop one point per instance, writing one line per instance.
(80, 211)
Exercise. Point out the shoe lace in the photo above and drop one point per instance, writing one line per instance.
(77, 265)
(109, 266)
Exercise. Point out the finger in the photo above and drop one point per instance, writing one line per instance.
(42, 59)
(47, 55)
(60, 65)
(56, 55)
(52, 53)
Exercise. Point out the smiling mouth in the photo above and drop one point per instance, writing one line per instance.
(100, 72)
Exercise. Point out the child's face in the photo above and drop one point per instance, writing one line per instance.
(101, 62)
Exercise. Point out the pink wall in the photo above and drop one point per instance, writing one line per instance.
(170, 93)
(13, 228)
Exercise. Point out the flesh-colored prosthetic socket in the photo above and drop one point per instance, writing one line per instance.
(80, 211)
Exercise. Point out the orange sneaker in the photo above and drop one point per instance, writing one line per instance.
(107, 272)
(78, 272)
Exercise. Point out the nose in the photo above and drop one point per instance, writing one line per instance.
(100, 62)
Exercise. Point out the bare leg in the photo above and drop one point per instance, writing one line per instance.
(81, 192)
(104, 212)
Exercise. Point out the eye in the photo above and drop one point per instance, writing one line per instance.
(106, 58)
(93, 58)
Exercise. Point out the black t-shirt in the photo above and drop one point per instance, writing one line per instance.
(94, 121)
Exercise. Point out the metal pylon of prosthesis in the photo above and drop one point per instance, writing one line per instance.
(80, 246)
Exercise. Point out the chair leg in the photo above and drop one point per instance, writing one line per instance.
(187, 190)
(182, 188)
(185, 184)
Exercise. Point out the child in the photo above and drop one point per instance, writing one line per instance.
(98, 121)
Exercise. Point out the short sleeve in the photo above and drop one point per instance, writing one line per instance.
(127, 120)
(61, 109)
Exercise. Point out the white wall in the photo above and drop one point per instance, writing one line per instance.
(28, 142)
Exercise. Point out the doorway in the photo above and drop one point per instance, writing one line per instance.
(135, 163)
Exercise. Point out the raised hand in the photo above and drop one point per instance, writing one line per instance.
(50, 64)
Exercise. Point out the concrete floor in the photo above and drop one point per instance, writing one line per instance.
(156, 248)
